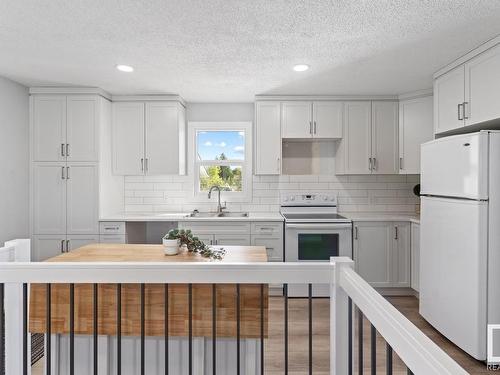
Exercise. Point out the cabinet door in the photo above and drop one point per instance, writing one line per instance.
(82, 199)
(49, 198)
(82, 128)
(48, 246)
(448, 95)
(373, 252)
(401, 255)
(207, 239)
(274, 247)
(415, 256)
(385, 137)
(415, 128)
(327, 119)
(77, 241)
(297, 120)
(163, 138)
(232, 240)
(48, 127)
(482, 87)
(128, 138)
(357, 137)
(267, 138)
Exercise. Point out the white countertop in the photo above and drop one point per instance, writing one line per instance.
(382, 216)
(184, 216)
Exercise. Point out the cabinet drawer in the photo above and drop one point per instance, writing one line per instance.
(113, 238)
(222, 227)
(112, 227)
(267, 229)
(274, 247)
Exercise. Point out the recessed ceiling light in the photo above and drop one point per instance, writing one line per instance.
(301, 67)
(125, 68)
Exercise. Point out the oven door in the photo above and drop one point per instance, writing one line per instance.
(316, 242)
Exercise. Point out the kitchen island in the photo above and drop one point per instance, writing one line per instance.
(178, 315)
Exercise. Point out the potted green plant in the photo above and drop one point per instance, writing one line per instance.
(193, 244)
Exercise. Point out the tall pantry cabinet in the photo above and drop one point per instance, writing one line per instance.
(64, 186)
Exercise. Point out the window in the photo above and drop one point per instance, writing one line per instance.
(221, 157)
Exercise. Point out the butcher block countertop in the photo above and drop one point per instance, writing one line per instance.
(250, 297)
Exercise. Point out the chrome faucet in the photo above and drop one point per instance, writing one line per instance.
(219, 206)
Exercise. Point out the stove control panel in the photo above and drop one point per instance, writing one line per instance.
(316, 199)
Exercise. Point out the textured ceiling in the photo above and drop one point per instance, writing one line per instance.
(230, 50)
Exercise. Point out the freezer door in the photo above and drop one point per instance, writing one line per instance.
(453, 270)
(456, 166)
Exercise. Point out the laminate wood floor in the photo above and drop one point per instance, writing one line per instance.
(298, 340)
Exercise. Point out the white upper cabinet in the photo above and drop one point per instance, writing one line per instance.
(149, 138)
(82, 128)
(448, 100)
(327, 119)
(415, 128)
(164, 134)
(482, 87)
(49, 198)
(82, 198)
(48, 122)
(356, 144)
(65, 127)
(384, 137)
(468, 94)
(267, 138)
(321, 119)
(128, 138)
(297, 120)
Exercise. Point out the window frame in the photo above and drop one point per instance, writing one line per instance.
(245, 195)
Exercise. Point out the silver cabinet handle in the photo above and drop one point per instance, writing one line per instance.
(216, 242)
(459, 112)
(62, 246)
(356, 233)
(67, 173)
(401, 163)
(67, 246)
(278, 165)
(62, 173)
(314, 127)
(142, 164)
(375, 163)
(310, 127)
(146, 164)
(62, 149)
(396, 234)
(370, 164)
(211, 242)
(464, 111)
(67, 149)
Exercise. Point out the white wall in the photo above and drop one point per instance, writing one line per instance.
(14, 157)
(220, 112)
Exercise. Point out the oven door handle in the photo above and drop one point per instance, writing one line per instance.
(318, 226)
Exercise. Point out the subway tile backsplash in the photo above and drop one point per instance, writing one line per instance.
(363, 193)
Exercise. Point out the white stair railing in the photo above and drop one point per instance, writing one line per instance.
(417, 351)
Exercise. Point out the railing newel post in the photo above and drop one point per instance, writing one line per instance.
(339, 319)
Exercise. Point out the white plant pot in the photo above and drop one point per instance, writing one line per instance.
(171, 247)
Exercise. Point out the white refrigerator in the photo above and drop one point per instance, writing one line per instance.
(460, 238)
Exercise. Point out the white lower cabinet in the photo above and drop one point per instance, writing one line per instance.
(382, 253)
(113, 238)
(76, 241)
(415, 256)
(274, 247)
(232, 240)
(48, 246)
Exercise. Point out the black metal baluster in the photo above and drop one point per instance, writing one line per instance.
(238, 317)
(25, 328)
(360, 342)
(143, 328)
(190, 304)
(48, 329)
(285, 292)
(96, 327)
(388, 359)
(373, 342)
(214, 329)
(310, 330)
(2, 330)
(262, 329)
(349, 336)
(409, 372)
(71, 329)
(165, 322)
(118, 329)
